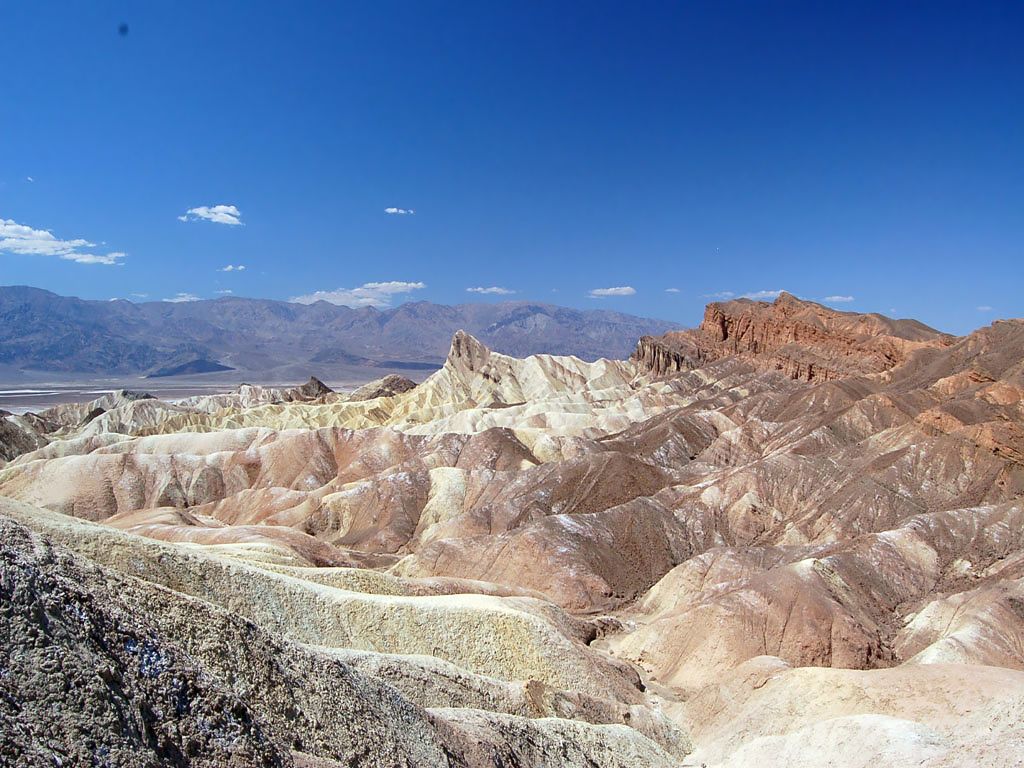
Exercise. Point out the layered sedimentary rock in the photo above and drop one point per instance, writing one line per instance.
(747, 541)
(804, 340)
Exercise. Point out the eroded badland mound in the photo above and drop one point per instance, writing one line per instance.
(789, 534)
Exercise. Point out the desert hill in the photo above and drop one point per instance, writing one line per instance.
(791, 530)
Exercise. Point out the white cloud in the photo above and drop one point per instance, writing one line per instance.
(232, 268)
(984, 308)
(620, 290)
(139, 295)
(29, 178)
(25, 241)
(719, 295)
(182, 297)
(838, 299)
(225, 292)
(671, 290)
(366, 295)
(496, 290)
(400, 211)
(95, 258)
(761, 295)
(218, 214)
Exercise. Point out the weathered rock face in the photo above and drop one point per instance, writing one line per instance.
(18, 435)
(804, 340)
(84, 683)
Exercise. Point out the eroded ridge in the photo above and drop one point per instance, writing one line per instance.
(788, 530)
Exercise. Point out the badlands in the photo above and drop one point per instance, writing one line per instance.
(789, 537)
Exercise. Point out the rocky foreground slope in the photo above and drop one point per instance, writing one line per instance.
(791, 533)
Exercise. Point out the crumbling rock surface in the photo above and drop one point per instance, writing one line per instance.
(107, 669)
(804, 340)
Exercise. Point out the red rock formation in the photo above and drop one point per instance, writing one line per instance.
(804, 340)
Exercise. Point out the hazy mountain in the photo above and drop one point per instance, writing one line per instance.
(42, 331)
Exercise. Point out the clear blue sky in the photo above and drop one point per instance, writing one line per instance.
(830, 149)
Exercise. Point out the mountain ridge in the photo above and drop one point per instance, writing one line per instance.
(804, 339)
(43, 331)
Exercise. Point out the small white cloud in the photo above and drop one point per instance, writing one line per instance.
(139, 295)
(496, 290)
(719, 295)
(232, 268)
(984, 308)
(110, 259)
(29, 178)
(671, 290)
(218, 214)
(225, 292)
(23, 240)
(400, 211)
(838, 299)
(182, 297)
(619, 290)
(761, 295)
(366, 295)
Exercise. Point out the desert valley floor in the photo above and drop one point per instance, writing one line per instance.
(789, 537)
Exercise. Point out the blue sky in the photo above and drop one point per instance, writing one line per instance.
(865, 152)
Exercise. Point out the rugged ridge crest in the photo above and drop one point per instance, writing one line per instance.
(804, 340)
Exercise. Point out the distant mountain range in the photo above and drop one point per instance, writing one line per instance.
(263, 339)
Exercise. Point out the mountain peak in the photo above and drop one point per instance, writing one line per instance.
(785, 298)
(467, 351)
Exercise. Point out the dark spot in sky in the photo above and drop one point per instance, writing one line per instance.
(122, 29)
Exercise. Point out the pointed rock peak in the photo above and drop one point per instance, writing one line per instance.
(315, 388)
(785, 297)
(311, 390)
(467, 351)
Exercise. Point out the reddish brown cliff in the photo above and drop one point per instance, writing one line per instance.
(807, 341)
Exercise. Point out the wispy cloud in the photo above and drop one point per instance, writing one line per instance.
(23, 240)
(496, 290)
(671, 290)
(139, 295)
(761, 295)
(366, 295)
(182, 297)
(984, 308)
(109, 259)
(232, 268)
(225, 292)
(619, 290)
(400, 211)
(29, 179)
(218, 214)
(838, 299)
(719, 295)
